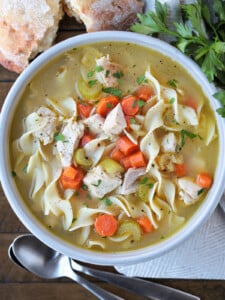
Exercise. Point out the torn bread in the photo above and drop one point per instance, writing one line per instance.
(104, 14)
(26, 28)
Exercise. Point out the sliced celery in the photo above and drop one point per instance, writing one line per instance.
(81, 159)
(88, 91)
(111, 166)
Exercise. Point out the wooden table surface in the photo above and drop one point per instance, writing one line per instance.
(16, 283)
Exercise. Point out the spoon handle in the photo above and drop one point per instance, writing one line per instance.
(141, 287)
(93, 288)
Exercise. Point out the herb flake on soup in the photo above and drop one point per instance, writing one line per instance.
(114, 146)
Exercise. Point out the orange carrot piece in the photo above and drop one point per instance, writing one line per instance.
(204, 180)
(180, 169)
(116, 154)
(145, 224)
(71, 178)
(84, 109)
(130, 105)
(106, 225)
(106, 104)
(126, 146)
(126, 163)
(86, 139)
(144, 92)
(137, 160)
(191, 102)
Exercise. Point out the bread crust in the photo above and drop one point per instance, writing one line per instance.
(104, 14)
(26, 28)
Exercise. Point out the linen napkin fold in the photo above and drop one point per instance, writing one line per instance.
(202, 256)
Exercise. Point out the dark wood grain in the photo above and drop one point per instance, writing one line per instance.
(17, 283)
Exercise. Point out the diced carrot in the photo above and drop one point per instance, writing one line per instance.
(145, 224)
(180, 169)
(137, 160)
(106, 225)
(204, 180)
(106, 104)
(144, 92)
(126, 146)
(191, 102)
(86, 139)
(71, 178)
(116, 154)
(126, 163)
(84, 109)
(130, 105)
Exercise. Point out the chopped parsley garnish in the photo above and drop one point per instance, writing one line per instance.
(118, 75)
(188, 134)
(107, 73)
(74, 219)
(141, 103)
(145, 181)
(200, 191)
(141, 79)
(172, 100)
(109, 105)
(135, 103)
(59, 137)
(113, 91)
(133, 121)
(91, 83)
(90, 74)
(77, 193)
(13, 173)
(107, 201)
(173, 83)
(98, 183)
(84, 187)
(98, 68)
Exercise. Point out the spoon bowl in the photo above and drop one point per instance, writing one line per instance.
(45, 262)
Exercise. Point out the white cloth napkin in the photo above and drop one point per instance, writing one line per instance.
(202, 256)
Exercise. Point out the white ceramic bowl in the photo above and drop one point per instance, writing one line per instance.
(24, 213)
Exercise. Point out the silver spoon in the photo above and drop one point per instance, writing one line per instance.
(28, 252)
(29, 245)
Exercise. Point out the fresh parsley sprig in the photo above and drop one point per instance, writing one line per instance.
(200, 35)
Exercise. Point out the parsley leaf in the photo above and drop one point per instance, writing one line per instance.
(97, 184)
(113, 91)
(173, 83)
(188, 134)
(59, 137)
(91, 83)
(141, 79)
(197, 35)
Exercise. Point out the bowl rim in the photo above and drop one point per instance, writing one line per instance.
(18, 204)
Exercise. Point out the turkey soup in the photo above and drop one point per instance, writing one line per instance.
(114, 146)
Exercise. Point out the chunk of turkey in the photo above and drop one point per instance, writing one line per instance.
(189, 191)
(107, 75)
(48, 123)
(115, 121)
(72, 132)
(100, 183)
(130, 180)
(95, 123)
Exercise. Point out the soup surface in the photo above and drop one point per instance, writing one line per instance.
(114, 146)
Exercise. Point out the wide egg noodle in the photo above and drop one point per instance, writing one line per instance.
(57, 205)
(154, 116)
(95, 149)
(116, 202)
(154, 82)
(95, 243)
(150, 147)
(165, 187)
(207, 129)
(66, 107)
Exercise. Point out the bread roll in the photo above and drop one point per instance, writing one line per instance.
(26, 28)
(104, 14)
